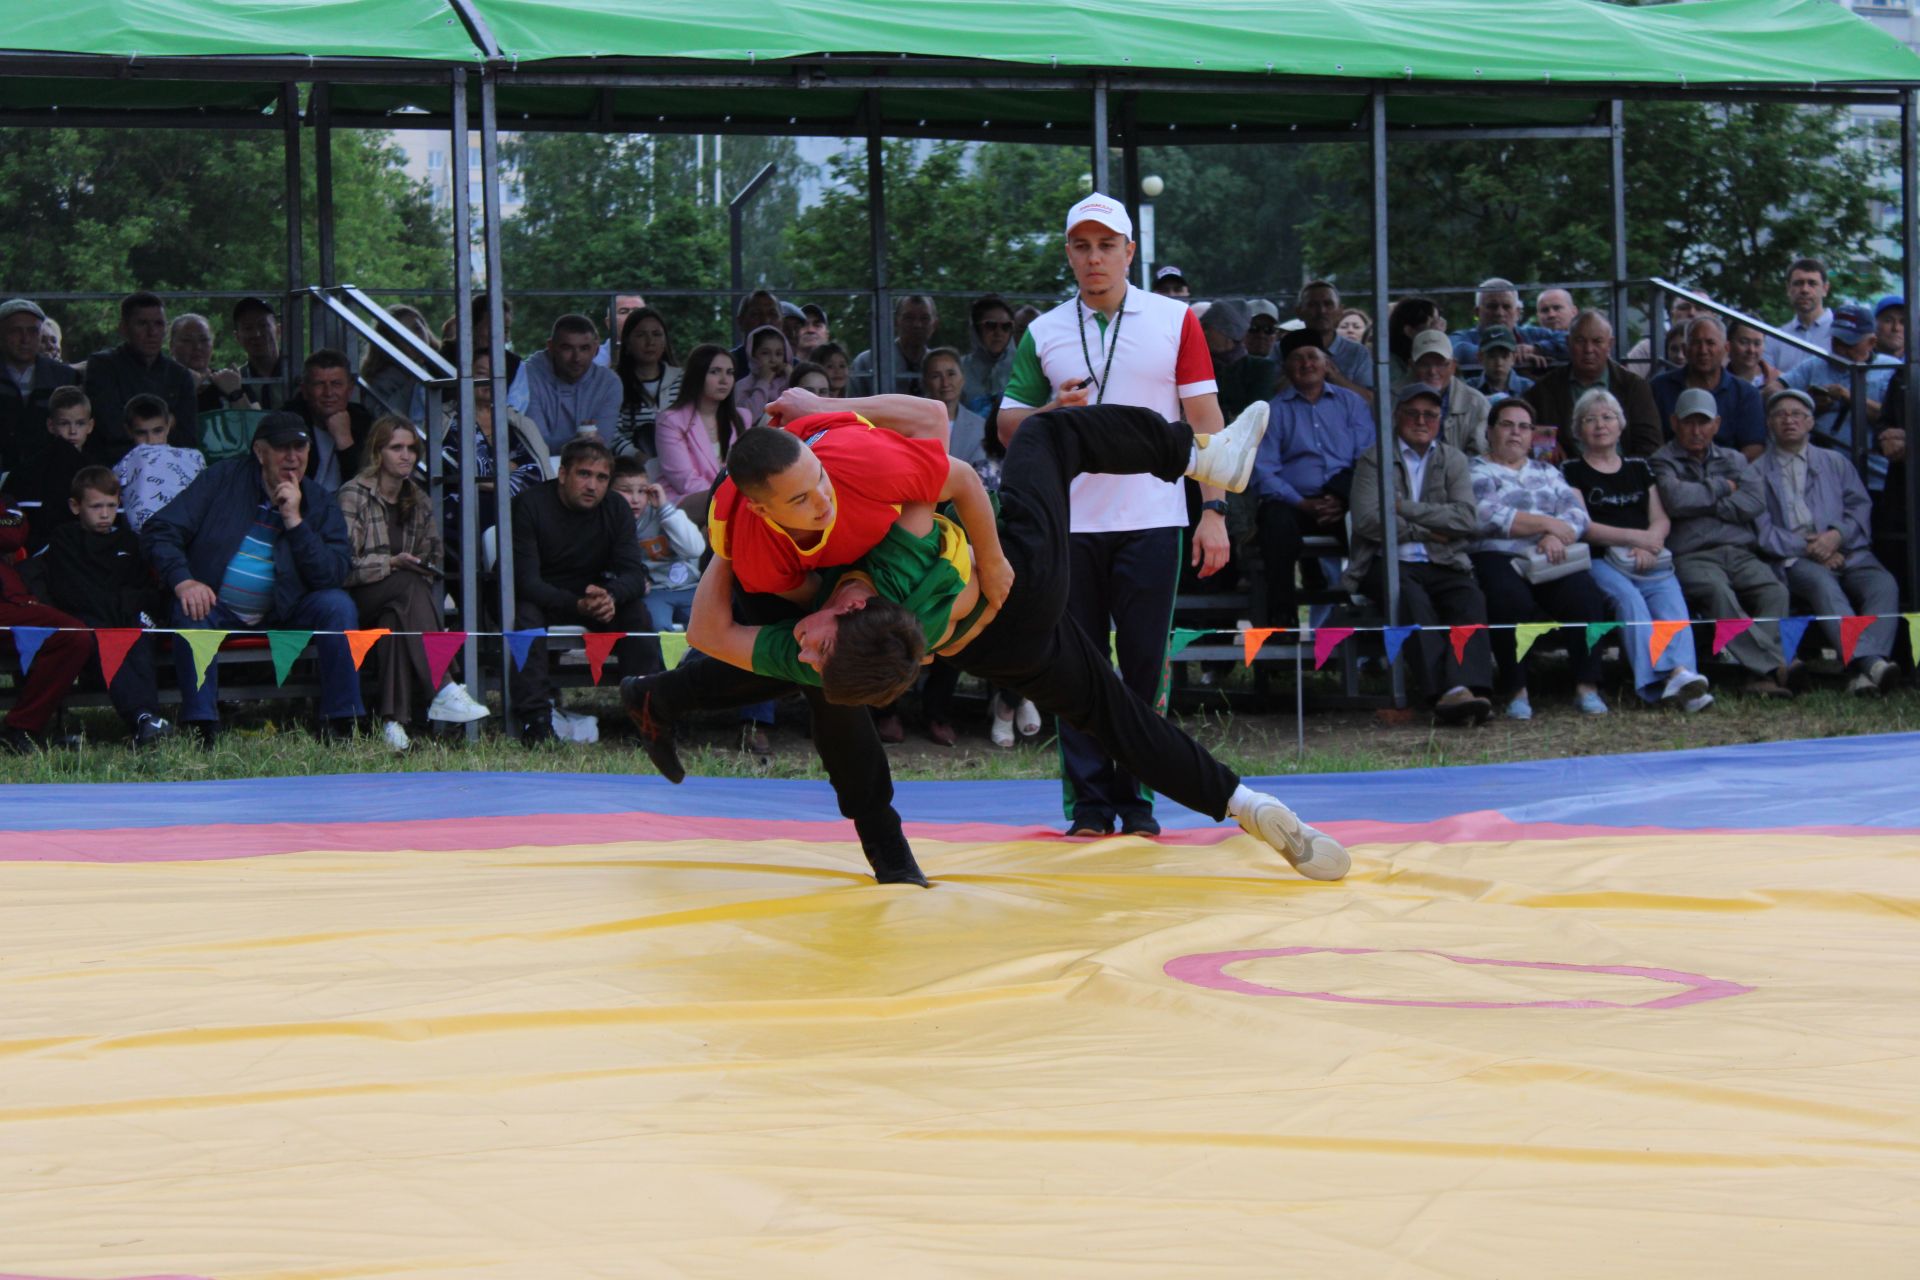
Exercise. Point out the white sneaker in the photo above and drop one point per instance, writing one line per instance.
(1002, 730)
(454, 705)
(1225, 458)
(1684, 684)
(1313, 853)
(1701, 703)
(1026, 718)
(394, 734)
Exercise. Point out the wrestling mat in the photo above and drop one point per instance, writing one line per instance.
(1639, 1016)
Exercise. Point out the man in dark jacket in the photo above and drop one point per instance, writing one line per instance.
(1590, 364)
(30, 380)
(252, 543)
(576, 562)
(140, 364)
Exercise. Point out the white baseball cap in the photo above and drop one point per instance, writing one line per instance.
(1105, 210)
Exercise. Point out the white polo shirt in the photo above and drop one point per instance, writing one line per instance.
(1161, 356)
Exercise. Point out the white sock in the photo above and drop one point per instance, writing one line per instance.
(1241, 802)
(1193, 458)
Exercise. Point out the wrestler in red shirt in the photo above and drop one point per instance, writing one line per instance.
(844, 493)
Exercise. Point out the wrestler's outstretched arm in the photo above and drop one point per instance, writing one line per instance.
(970, 502)
(915, 417)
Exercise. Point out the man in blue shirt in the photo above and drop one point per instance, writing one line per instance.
(1350, 364)
(1743, 423)
(1829, 381)
(1497, 302)
(1303, 471)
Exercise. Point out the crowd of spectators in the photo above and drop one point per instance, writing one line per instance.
(1536, 474)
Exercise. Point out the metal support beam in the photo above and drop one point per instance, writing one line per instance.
(1130, 158)
(877, 239)
(1617, 145)
(736, 219)
(326, 333)
(1383, 381)
(292, 344)
(470, 614)
(1910, 274)
(497, 353)
(1102, 139)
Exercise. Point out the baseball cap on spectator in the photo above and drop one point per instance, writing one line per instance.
(1499, 337)
(1791, 393)
(1228, 317)
(15, 306)
(812, 311)
(789, 311)
(1888, 303)
(1258, 307)
(1169, 272)
(1413, 391)
(1852, 322)
(1695, 402)
(1298, 338)
(247, 306)
(1431, 342)
(281, 428)
(1105, 210)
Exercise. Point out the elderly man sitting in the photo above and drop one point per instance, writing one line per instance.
(1497, 304)
(1463, 410)
(1715, 500)
(1815, 526)
(1434, 508)
(1828, 381)
(1590, 365)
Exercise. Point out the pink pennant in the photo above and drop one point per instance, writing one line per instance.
(1460, 636)
(1726, 630)
(440, 647)
(1850, 631)
(599, 645)
(1325, 641)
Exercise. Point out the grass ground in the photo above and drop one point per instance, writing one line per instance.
(1251, 742)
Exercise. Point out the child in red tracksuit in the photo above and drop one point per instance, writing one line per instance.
(61, 655)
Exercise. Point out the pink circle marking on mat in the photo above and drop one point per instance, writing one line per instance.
(1208, 969)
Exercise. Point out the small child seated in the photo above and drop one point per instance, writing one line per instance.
(669, 541)
(95, 571)
(47, 478)
(154, 472)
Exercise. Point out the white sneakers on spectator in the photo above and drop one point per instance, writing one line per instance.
(1225, 458)
(394, 734)
(1685, 685)
(1873, 681)
(1026, 718)
(1001, 730)
(1313, 853)
(454, 705)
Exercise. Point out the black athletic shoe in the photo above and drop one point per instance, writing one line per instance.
(1143, 825)
(149, 729)
(206, 733)
(888, 853)
(19, 742)
(656, 730)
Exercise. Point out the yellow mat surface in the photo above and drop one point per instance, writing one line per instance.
(1649, 1056)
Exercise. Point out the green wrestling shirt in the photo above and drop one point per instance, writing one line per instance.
(924, 573)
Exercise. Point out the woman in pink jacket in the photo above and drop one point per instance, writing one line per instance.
(694, 434)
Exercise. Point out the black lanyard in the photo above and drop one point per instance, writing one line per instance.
(1111, 340)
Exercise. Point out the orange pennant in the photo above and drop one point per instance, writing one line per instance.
(599, 645)
(358, 642)
(1254, 637)
(1663, 633)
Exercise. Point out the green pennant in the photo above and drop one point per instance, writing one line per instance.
(287, 647)
(1527, 632)
(1181, 638)
(205, 644)
(1597, 631)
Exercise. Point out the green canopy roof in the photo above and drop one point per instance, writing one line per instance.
(426, 30)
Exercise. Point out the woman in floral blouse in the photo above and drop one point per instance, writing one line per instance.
(1526, 508)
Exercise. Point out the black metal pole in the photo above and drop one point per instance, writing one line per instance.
(462, 196)
(1130, 160)
(736, 218)
(326, 331)
(1383, 380)
(1102, 154)
(497, 353)
(292, 346)
(1910, 274)
(877, 237)
(1617, 154)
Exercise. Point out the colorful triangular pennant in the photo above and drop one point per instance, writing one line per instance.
(673, 647)
(27, 642)
(115, 643)
(1526, 633)
(286, 647)
(1664, 630)
(520, 644)
(440, 647)
(1460, 636)
(1791, 630)
(358, 642)
(1253, 637)
(1180, 638)
(1598, 631)
(205, 645)
(599, 645)
(1325, 641)
(1396, 638)
(1850, 631)
(1913, 632)
(1726, 630)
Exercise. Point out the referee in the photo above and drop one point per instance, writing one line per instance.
(1116, 344)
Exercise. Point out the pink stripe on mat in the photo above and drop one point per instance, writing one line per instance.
(441, 835)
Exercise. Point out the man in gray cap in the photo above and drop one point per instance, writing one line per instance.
(1816, 528)
(253, 543)
(1715, 501)
(1464, 410)
(31, 379)
(1828, 381)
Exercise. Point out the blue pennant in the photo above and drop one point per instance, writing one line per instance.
(1396, 637)
(1791, 629)
(520, 644)
(27, 642)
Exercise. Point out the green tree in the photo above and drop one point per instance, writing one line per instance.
(110, 211)
(1720, 197)
(1227, 218)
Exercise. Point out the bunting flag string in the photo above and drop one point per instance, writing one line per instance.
(1791, 629)
(1396, 638)
(114, 643)
(286, 647)
(1177, 642)
(205, 645)
(1254, 637)
(1525, 633)
(520, 644)
(1661, 636)
(1727, 630)
(599, 645)
(1461, 636)
(440, 646)
(27, 642)
(358, 642)
(1913, 632)
(1598, 631)
(1851, 629)
(673, 647)
(1325, 641)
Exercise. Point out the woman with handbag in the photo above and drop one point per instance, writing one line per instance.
(1631, 565)
(1528, 557)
